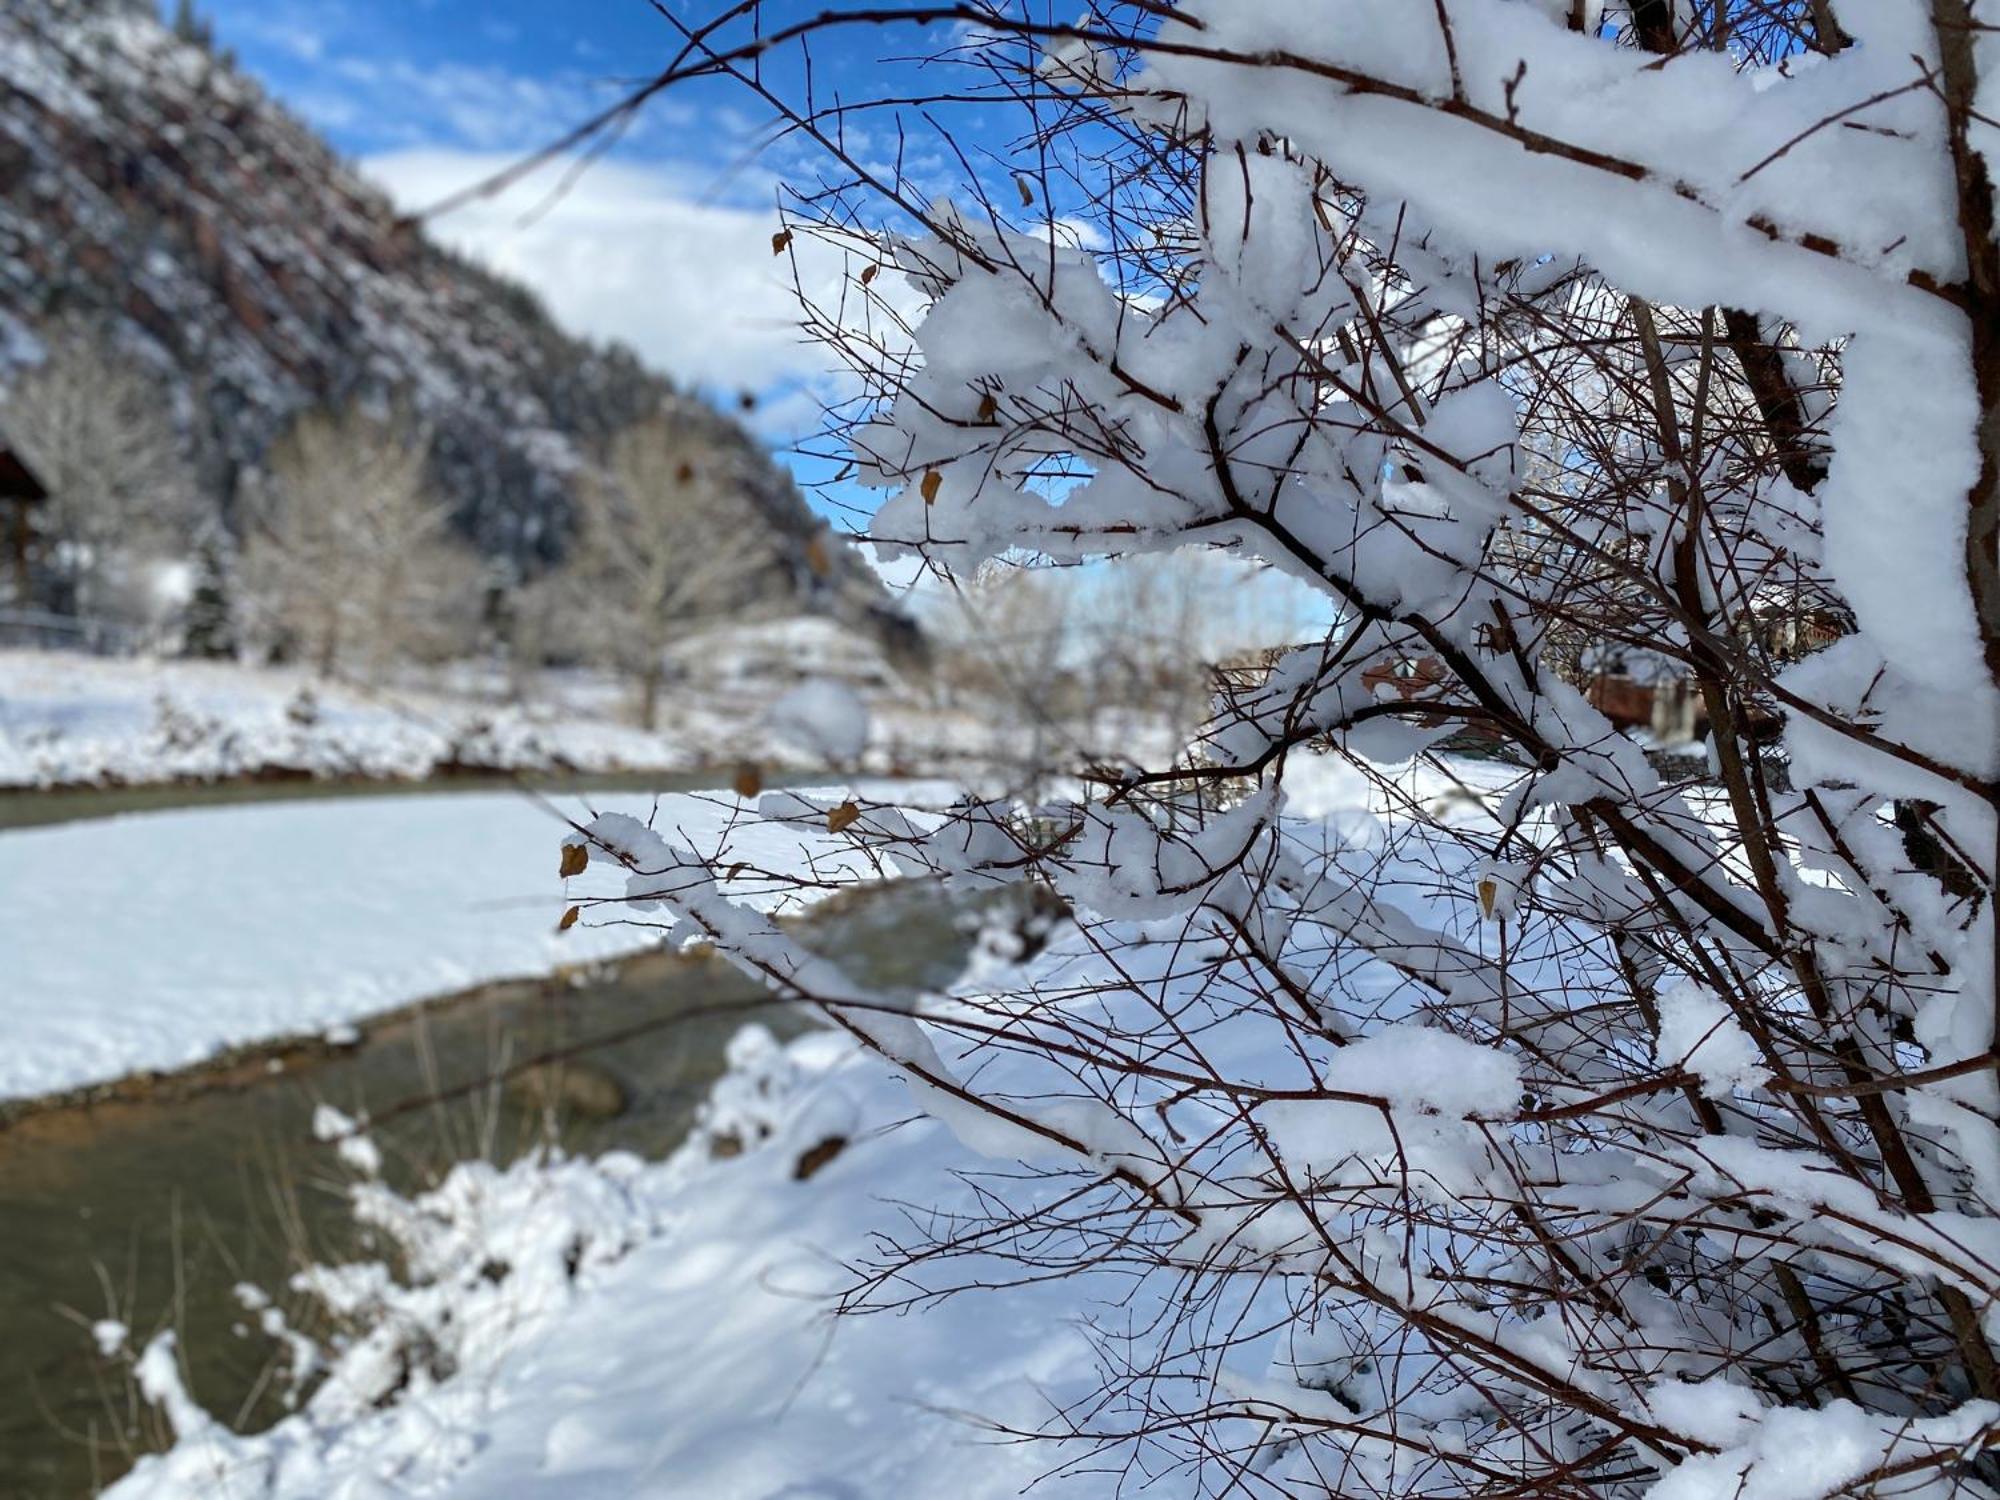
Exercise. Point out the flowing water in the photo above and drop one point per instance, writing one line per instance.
(33, 809)
(151, 1211)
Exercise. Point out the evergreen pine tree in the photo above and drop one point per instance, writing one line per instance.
(190, 26)
(209, 630)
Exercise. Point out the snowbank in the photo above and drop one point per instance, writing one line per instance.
(70, 719)
(609, 1329)
(668, 1329)
(73, 720)
(156, 941)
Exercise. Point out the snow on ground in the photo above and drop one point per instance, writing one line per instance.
(73, 719)
(152, 942)
(576, 1328)
(70, 718)
(155, 941)
(690, 1353)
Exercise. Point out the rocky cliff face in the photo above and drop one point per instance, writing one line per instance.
(150, 190)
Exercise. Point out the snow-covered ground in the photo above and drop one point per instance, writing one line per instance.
(156, 940)
(691, 1354)
(68, 719)
(657, 1328)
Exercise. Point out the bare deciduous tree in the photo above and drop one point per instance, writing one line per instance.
(1083, 662)
(349, 560)
(665, 541)
(120, 491)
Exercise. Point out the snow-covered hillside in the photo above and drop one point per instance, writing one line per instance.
(150, 189)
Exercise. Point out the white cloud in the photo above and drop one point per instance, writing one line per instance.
(472, 106)
(631, 252)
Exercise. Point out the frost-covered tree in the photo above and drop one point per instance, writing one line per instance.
(121, 495)
(1007, 647)
(348, 560)
(666, 541)
(1563, 1123)
(1079, 661)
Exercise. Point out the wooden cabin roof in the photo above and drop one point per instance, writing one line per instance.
(17, 480)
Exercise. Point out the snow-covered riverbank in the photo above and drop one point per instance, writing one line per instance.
(663, 1330)
(156, 941)
(69, 720)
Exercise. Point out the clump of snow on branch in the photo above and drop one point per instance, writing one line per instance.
(1698, 1032)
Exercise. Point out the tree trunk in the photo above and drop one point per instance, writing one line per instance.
(649, 695)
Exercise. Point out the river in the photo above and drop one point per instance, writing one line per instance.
(153, 1209)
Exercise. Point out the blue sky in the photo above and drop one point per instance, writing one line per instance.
(664, 245)
(385, 75)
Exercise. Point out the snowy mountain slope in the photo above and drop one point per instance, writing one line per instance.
(149, 189)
